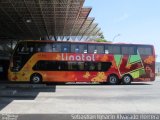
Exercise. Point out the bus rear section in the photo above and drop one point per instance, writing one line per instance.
(147, 53)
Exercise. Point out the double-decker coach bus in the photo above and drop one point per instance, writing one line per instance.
(50, 61)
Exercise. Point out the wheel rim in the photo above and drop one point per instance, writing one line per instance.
(113, 79)
(36, 79)
(127, 79)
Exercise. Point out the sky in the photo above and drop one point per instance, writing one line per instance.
(128, 21)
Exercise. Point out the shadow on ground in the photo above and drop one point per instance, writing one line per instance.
(10, 92)
(25, 91)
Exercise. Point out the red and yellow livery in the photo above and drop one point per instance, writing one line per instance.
(45, 61)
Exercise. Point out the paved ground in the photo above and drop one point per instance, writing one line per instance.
(135, 98)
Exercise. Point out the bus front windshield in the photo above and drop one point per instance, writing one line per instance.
(22, 53)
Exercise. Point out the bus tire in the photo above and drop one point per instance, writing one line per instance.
(36, 78)
(127, 79)
(113, 79)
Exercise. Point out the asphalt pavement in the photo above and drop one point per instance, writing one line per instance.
(138, 98)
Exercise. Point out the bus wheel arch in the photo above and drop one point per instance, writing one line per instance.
(127, 79)
(113, 79)
(36, 78)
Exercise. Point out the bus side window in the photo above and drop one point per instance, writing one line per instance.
(56, 47)
(75, 48)
(91, 48)
(38, 47)
(100, 49)
(65, 48)
(92, 66)
(106, 51)
(128, 50)
(145, 50)
(73, 66)
(99, 66)
(40, 65)
(124, 50)
(79, 48)
(31, 47)
(114, 49)
(83, 48)
(81, 66)
(22, 49)
(47, 48)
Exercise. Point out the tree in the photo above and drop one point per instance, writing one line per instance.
(100, 40)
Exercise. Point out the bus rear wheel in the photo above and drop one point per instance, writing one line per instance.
(126, 80)
(113, 79)
(36, 78)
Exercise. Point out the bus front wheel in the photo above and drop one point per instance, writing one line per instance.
(113, 79)
(126, 80)
(36, 78)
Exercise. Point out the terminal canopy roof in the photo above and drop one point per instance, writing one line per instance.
(47, 19)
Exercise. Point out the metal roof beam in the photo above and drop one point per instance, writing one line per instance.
(32, 17)
(22, 19)
(40, 7)
(55, 23)
(80, 8)
(86, 29)
(49, 18)
(66, 16)
(13, 21)
(84, 20)
(92, 31)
